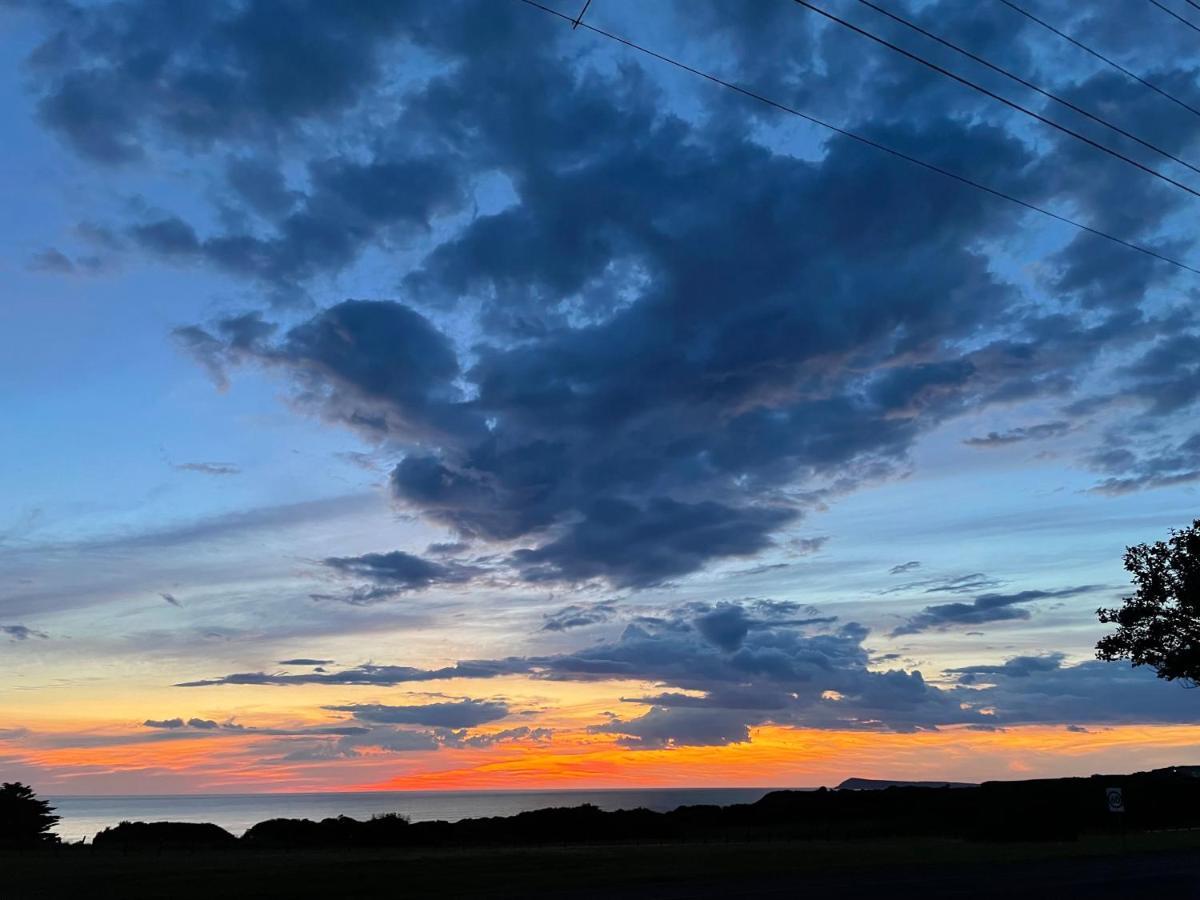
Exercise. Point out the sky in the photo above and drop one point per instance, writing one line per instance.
(413, 395)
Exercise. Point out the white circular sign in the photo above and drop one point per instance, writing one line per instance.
(1116, 802)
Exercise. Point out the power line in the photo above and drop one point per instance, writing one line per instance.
(990, 93)
(1171, 12)
(582, 13)
(1029, 84)
(899, 154)
(1100, 56)
(1192, 3)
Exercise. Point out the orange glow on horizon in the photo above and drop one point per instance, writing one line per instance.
(775, 757)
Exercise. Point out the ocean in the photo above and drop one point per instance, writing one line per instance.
(82, 817)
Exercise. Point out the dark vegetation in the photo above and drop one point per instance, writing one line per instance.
(1042, 810)
(165, 835)
(1159, 625)
(25, 821)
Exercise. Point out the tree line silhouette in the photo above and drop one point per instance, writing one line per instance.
(1037, 810)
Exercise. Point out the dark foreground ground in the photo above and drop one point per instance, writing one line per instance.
(1161, 865)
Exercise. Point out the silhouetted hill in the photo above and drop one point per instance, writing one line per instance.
(877, 784)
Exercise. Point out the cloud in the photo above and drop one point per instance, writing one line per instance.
(219, 74)
(522, 733)
(1152, 463)
(208, 468)
(371, 674)
(807, 546)
(577, 616)
(639, 546)
(667, 727)
(1040, 432)
(626, 461)
(393, 573)
(718, 687)
(306, 662)
(452, 714)
(170, 598)
(398, 571)
(1043, 690)
(164, 723)
(726, 626)
(197, 726)
(22, 633)
(1016, 667)
(944, 584)
(984, 608)
(901, 568)
(395, 740)
(54, 261)
(349, 205)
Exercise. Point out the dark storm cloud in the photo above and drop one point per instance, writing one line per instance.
(984, 608)
(350, 206)
(624, 459)
(117, 76)
(638, 546)
(451, 714)
(726, 626)
(1038, 432)
(819, 344)
(566, 435)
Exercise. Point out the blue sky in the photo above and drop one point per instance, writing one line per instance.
(403, 337)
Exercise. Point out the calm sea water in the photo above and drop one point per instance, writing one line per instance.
(82, 817)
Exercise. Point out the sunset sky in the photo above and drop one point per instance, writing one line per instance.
(435, 396)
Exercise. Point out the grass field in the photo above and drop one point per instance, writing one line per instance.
(1095, 864)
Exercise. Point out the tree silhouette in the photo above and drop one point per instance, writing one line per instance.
(1159, 625)
(24, 819)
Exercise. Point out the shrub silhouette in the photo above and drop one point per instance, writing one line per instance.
(24, 819)
(180, 835)
(388, 830)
